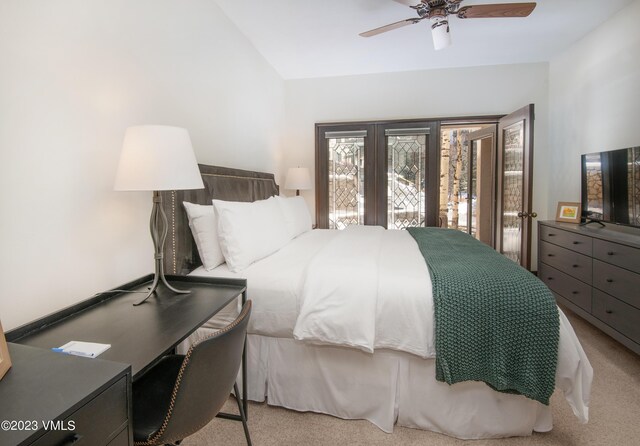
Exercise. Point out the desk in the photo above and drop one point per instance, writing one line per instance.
(139, 336)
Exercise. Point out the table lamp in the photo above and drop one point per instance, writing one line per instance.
(156, 158)
(298, 178)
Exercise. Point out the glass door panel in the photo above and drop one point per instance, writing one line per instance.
(482, 155)
(406, 180)
(513, 191)
(473, 189)
(458, 177)
(346, 181)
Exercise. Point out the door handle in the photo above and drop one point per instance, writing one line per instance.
(525, 214)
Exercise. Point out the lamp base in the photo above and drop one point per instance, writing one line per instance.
(158, 226)
(157, 278)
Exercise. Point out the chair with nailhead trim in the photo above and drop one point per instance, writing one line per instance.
(183, 393)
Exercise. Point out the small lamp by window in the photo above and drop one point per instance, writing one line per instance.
(298, 178)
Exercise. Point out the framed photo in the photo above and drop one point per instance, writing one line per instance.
(5, 361)
(568, 212)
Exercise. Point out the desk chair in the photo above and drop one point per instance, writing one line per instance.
(183, 393)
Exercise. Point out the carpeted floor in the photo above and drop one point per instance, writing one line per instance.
(614, 413)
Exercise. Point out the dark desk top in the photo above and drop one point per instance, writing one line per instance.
(140, 335)
(31, 392)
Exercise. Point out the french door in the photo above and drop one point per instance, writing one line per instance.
(514, 215)
(376, 174)
(389, 174)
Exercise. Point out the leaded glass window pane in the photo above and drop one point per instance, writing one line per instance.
(406, 161)
(346, 182)
(513, 191)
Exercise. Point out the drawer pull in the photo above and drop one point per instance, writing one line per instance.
(610, 253)
(608, 311)
(550, 255)
(551, 235)
(71, 440)
(575, 266)
(575, 292)
(576, 242)
(609, 280)
(549, 278)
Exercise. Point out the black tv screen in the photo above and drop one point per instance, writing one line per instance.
(611, 186)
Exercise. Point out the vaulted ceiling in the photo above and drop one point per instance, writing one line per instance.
(305, 38)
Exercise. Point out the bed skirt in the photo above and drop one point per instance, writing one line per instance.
(385, 388)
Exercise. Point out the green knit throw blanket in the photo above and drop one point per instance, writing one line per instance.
(494, 321)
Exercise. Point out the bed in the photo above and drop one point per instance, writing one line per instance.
(382, 370)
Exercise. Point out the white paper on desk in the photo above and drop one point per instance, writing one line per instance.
(86, 349)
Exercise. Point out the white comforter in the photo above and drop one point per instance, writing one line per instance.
(369, 288)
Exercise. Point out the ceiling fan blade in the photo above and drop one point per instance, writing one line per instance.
(391, 26)
(501, 10)
(408, 2)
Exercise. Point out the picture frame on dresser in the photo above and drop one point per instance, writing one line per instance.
(568, 212)
(5, 359)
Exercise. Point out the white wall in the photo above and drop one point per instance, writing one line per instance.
(73, 75)
(487, 90)
(594, 100)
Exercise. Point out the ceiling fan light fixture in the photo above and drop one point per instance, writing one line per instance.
(437, 11)
(440, 33)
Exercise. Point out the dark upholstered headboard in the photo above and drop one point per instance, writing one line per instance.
(222, 183)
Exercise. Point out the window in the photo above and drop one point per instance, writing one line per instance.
(470, 174)
(346, 178)
(376, 173)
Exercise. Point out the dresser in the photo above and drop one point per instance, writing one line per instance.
(49, 398)
(595, 272)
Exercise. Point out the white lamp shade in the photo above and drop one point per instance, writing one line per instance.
(440, 33)
(157, 157)
(298, 178)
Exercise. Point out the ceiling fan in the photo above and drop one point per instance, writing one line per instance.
(437, 11)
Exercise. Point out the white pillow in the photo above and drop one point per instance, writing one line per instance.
(296, 215)
(249, 231)
(204, 227)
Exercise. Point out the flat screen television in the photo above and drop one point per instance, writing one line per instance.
(611, 186)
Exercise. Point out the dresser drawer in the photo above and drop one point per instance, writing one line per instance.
(566, 239)
(96, 422)
(122, 439)
(617, 314)
(568, 287)
(624, 256)
(569, 262)
(618, 282)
